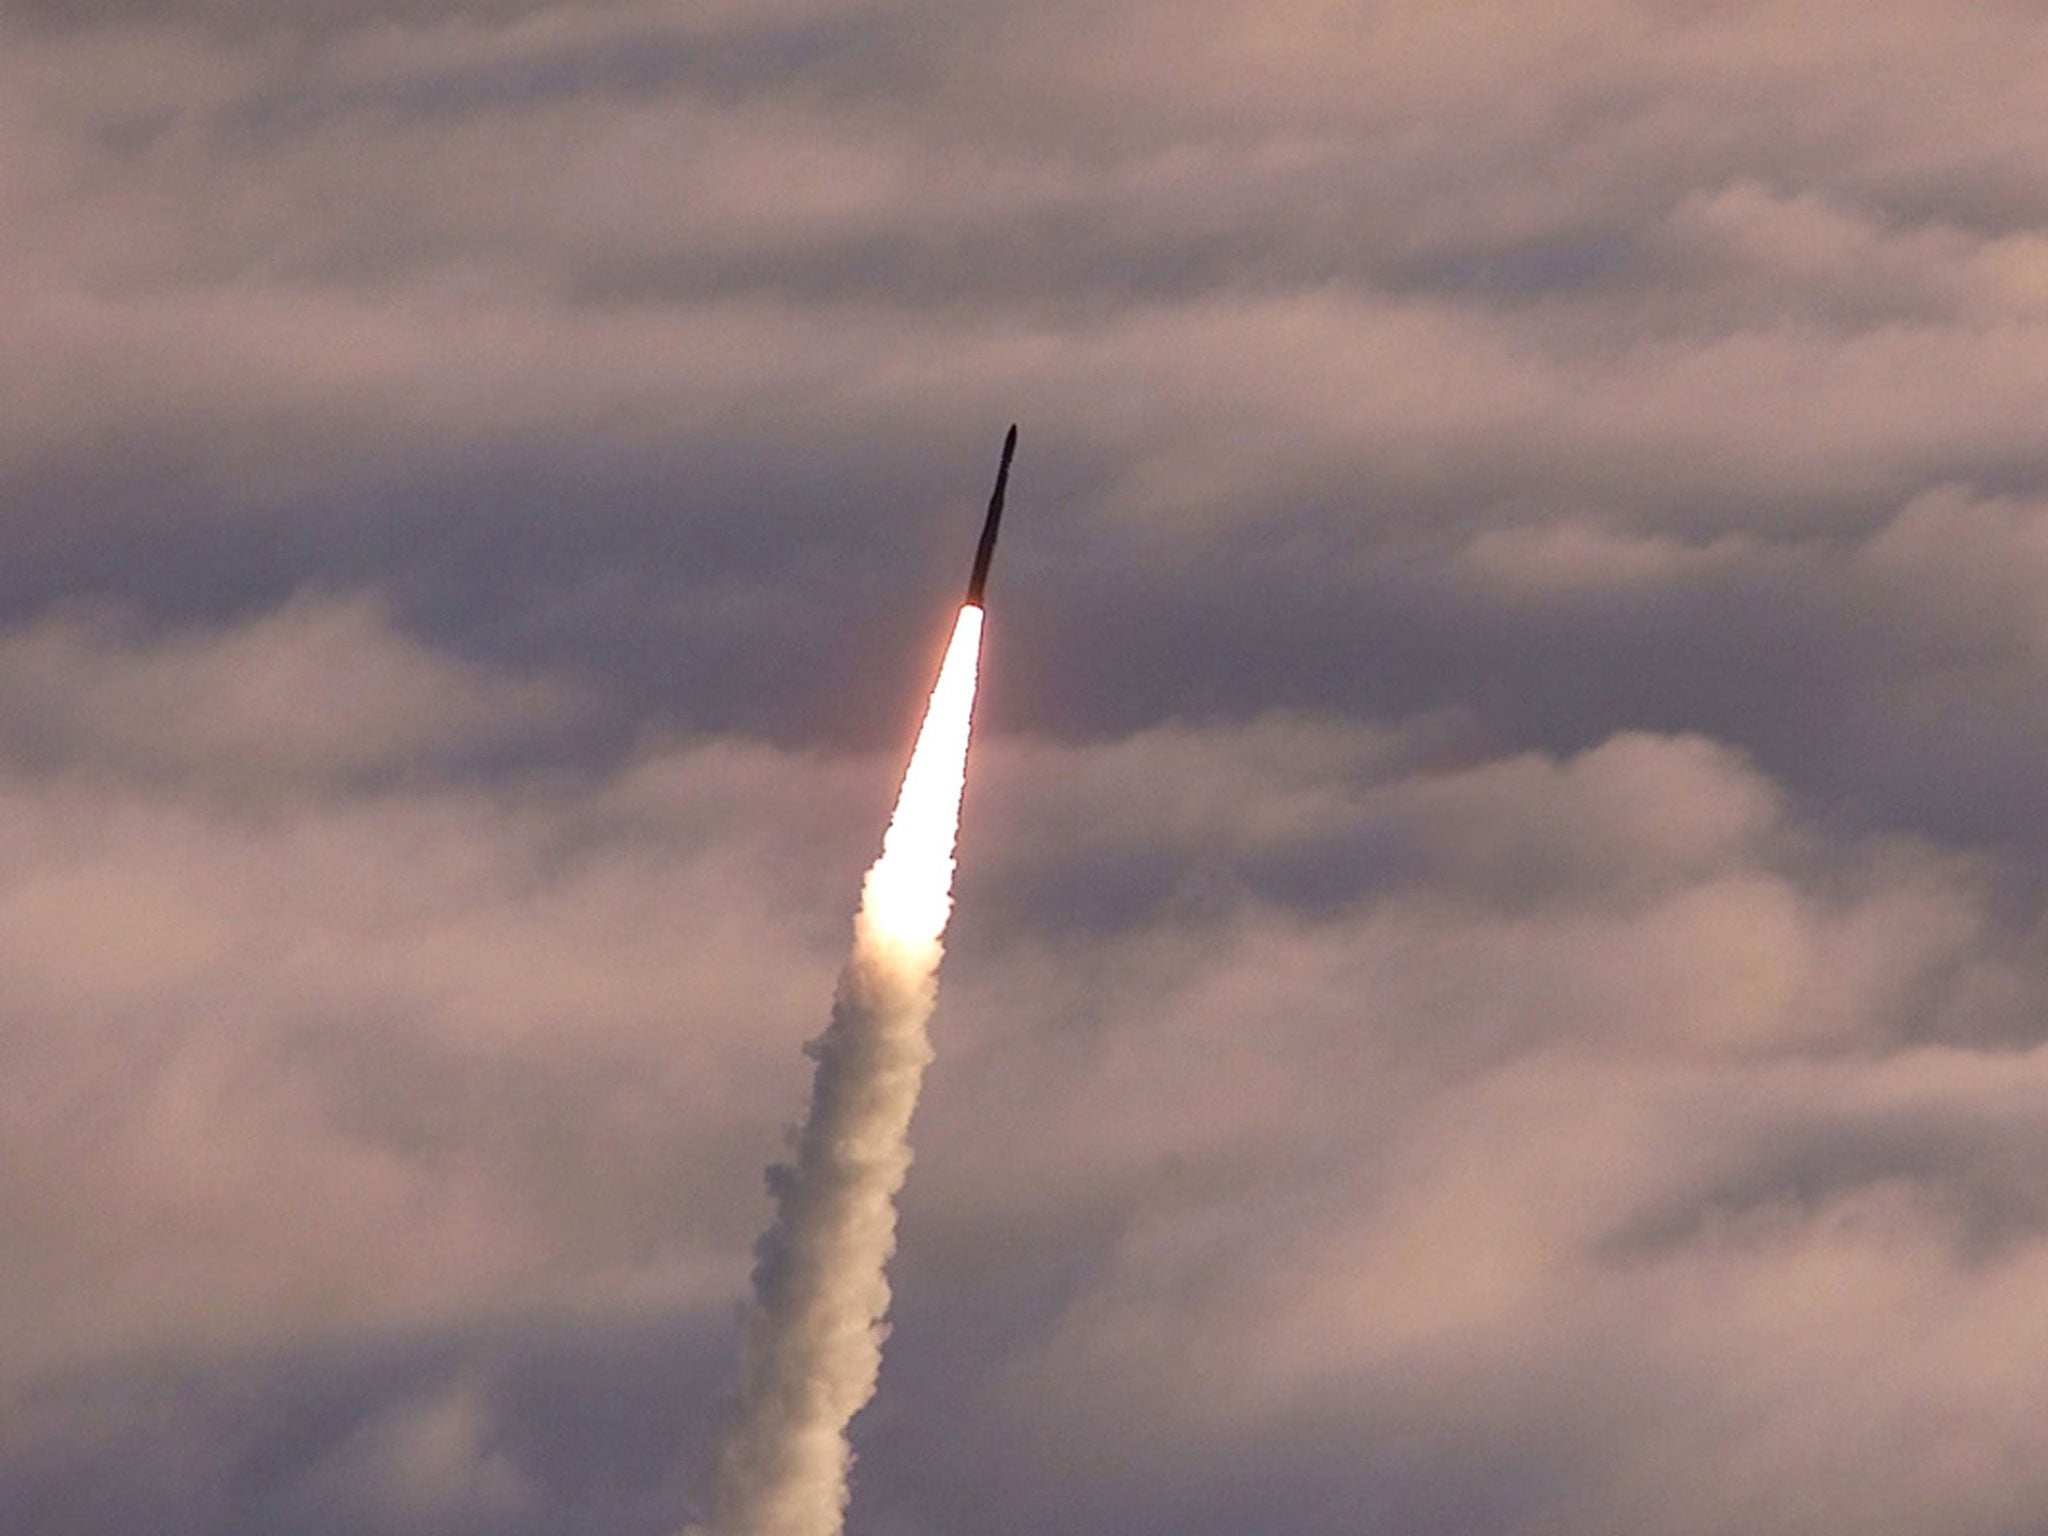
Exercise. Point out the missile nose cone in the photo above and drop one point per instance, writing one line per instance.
(987, 548)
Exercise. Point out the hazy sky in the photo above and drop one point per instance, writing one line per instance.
(1500, 982)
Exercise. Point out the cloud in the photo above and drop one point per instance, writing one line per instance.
(1497, 977)
(1361, 1054)
(322, 687)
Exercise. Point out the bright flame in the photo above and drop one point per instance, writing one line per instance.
(814, 1333)
(908, 894)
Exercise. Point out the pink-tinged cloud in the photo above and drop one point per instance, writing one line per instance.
(1498, 974)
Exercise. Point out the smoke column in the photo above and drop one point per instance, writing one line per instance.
(815, 1329)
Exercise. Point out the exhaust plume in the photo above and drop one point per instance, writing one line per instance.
(815, 1326)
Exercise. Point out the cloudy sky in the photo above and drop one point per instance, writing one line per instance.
(1500, 971)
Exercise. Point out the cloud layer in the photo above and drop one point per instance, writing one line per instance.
(1498, 977)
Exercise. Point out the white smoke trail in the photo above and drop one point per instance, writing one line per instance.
(815, 1329)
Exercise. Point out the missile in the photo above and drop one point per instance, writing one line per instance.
(987, 549)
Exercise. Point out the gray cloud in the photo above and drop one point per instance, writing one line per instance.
(1498, 973)
(1263, 1158)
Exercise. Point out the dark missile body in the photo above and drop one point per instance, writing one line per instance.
(987, 550)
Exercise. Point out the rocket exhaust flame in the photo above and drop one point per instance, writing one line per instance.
(815, 1329)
